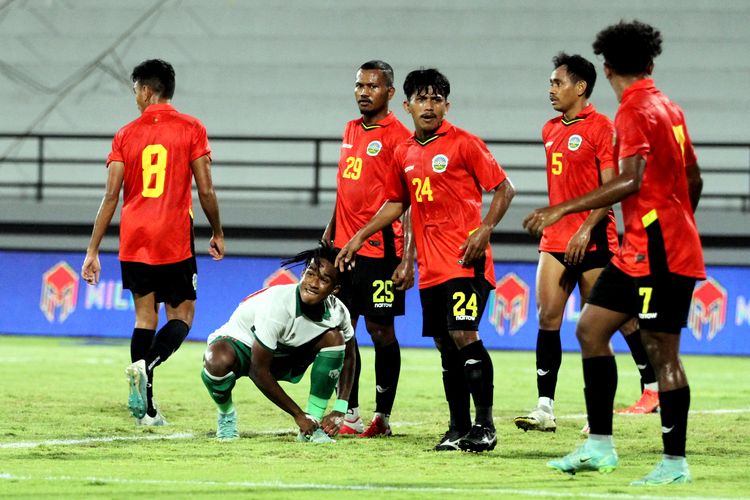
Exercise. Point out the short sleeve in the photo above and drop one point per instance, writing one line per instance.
(393, 183)
(199, 146)
(605, 145)
(116, 154)
(631, 134)
(346, 325)
(270, 322)
(478, 158)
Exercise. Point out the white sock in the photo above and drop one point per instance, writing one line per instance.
(653, 386)
(547, 403)
(383, 416)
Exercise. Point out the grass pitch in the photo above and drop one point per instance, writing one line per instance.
(66, 432)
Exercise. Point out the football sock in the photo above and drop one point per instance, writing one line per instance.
(387, 370)
(600, 384)
(354, 394)
(384, 416)
(455, 386)
(648, 376)
(322, 380)
(548, 360)
(166, 342)
(140, 343)
(479, 373)
(674, 418)
(220, 389)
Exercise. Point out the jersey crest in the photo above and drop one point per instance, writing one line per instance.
(439, 163)
(574, 142)
(374, 148)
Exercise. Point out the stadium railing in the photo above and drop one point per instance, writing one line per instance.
(302, 170)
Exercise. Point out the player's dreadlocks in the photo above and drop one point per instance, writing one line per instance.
(324, 251)
(629, 48)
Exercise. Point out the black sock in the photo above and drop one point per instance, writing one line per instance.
(600, 385)
(641, 358)
(477, 367)
(166, 342)
(674, 418)
(140, 343)
(548, 360)
(387, 370)
(456, 389)
(354, 394)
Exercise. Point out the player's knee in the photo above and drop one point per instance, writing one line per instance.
(548, 319)
(332, 337)
(219, 359)
(585, 333)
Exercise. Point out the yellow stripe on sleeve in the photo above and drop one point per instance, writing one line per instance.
(649, 218)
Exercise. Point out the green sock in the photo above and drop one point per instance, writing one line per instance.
(323, 379)
(220, 389)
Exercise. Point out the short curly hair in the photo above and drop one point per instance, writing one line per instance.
(629, 48)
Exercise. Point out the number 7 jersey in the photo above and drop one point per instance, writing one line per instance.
(156, 222)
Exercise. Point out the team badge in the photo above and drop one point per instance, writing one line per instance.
(374, 148)
(439, 163)
(574, 142)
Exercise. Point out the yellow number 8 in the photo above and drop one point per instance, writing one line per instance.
(153, 171)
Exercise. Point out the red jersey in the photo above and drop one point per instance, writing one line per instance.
(366, 155)
(660, 229)
(577, 152)
(156, 223)
(442, 178)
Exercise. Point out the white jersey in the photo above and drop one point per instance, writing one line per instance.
(273, 317)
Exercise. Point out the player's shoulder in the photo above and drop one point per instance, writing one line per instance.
(336, 306)
(189, 120)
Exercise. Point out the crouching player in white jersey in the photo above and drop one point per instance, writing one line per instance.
(274, 335)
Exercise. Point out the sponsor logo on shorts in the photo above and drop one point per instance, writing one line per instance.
(195, 281)
(59, 291)
(574, 142)
(439, 163)
(709, 307)
(509, 301)
(651, 315)
(374, 148)
(465, 317)
(381, 305)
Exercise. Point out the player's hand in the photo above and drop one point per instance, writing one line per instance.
(91, 269)
(216, 247)
(331, 423)
(403, 275)
(576, 249)
(475, 245)
(540, 218)
(345, 258)
(306, 423)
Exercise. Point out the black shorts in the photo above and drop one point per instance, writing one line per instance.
(591, 260)
(172, 283)
(370, 291)
(660, 301)
(457, 304)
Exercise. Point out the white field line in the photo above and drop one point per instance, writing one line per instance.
(277, 485)
(107, 439)
(289, 430)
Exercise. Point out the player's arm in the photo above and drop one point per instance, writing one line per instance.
(330, 229)
(403, 275)
(389, 212)
(579, 242)
(695, 184)
(207, 195)
(609, 193)
(332, 422)
(91, 267)
(260, 374)
(476, 244)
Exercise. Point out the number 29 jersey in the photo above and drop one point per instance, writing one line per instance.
(442, 178)
(156, 222)
(366, 154)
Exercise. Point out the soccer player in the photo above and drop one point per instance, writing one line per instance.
(660, 259)
(440, 172)
(385, 265)
(573, 251)
(274, 335)
(153, 160)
